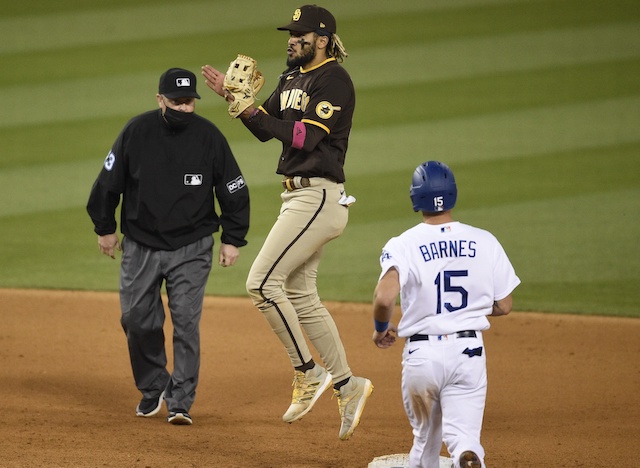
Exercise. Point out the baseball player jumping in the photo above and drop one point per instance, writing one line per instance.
(450, 276)
(310, 112)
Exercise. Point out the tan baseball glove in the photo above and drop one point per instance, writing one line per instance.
(243, 81)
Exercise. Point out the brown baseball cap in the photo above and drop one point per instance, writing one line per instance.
(311, 18)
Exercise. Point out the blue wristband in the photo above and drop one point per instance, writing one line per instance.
(380, 326)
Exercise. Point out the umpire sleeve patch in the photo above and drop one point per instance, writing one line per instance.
(109, 161)
(235, 184)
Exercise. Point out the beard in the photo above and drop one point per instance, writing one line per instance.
(307, 54)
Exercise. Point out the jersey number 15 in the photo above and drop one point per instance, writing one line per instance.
(443, 284)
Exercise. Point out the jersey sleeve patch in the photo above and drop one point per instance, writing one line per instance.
(325, 109)
(385, 257)
(236, 184)
(110, 161)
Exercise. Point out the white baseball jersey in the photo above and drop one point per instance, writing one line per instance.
(450, 275)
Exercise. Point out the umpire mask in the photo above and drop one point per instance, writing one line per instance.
(177, 120)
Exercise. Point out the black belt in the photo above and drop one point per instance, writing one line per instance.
(460, 334)
(294, 183)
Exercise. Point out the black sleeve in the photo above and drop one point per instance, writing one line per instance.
(101, 207)
(264, 127)
(233, 196)
(107, 189)
(260, 134)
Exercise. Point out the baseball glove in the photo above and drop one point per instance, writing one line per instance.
(243, 81)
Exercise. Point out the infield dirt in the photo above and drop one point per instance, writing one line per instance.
(562, 391)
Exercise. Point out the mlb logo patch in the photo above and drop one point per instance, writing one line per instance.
(183, 82)
(445, 229)
(193, 179)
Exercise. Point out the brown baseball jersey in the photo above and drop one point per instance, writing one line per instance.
(313, 112)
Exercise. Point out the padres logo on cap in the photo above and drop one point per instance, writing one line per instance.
(297, 14)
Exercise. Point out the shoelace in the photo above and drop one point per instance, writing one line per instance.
(343, 401)
(303, 390)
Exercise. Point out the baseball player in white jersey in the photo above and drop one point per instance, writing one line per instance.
(450, 276)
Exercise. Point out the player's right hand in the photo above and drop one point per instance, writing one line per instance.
(385, 339)
(214, 79)
(108, 244)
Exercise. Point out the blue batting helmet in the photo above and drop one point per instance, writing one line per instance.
(433, 187)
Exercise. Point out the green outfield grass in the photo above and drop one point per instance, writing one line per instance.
(534, 104)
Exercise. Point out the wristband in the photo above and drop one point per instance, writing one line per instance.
(254, 112)
(380, 326)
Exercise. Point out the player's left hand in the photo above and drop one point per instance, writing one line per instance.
(385, 339)
(228, 255)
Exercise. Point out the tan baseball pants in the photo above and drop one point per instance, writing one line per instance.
(282, 279)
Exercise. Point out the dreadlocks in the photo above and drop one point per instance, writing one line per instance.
(336, 49)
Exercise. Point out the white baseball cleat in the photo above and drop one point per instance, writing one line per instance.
(307, 388)
(352, 397)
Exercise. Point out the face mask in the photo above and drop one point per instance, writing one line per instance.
(177, 120)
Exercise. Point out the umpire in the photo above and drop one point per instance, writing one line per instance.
(167, 164)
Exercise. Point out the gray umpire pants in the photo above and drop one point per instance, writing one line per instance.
(185, 272)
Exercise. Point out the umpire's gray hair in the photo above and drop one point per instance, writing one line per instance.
(336, 49)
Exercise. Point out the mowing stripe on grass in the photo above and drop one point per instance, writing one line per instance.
(485, 137)
(464, 58)
(498, 135)
(80, 99)
(23, 34)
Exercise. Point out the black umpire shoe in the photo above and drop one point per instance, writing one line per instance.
(179, 418)
(149, 406)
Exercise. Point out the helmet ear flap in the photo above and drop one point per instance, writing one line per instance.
(433, 188)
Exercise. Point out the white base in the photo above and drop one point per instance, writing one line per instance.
(401, 460)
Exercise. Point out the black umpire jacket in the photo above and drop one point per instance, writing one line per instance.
(167, 179)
